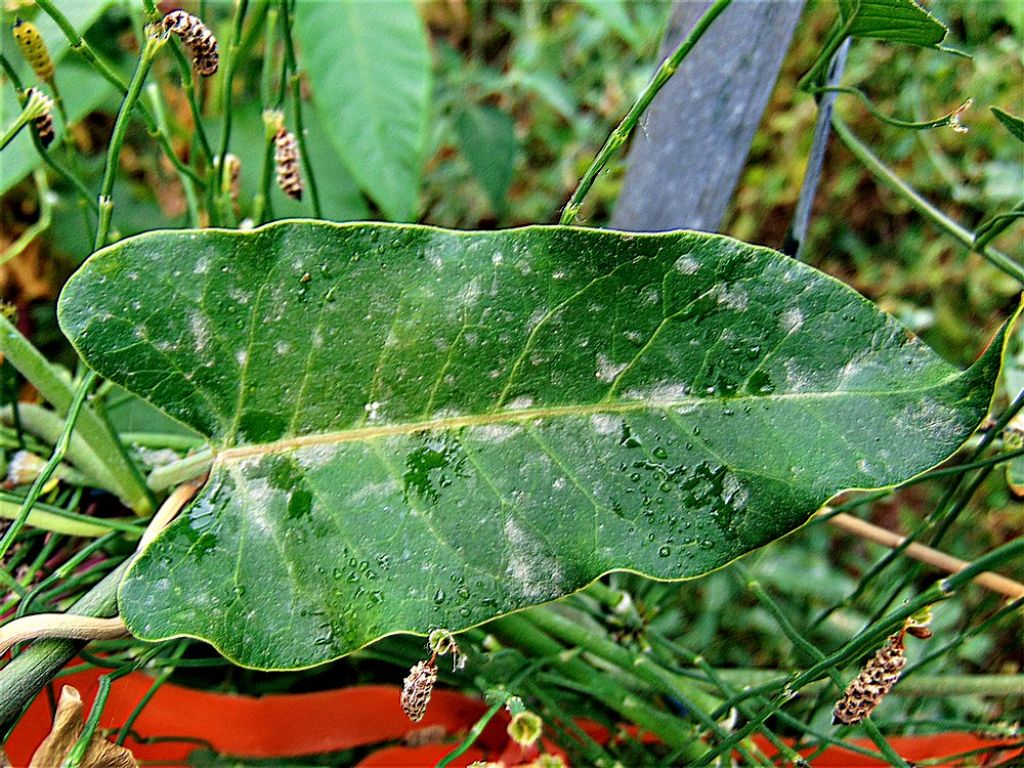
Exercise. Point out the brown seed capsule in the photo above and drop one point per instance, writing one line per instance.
(44, 123)
(875, 680)
(416, 689)
(197, 39)
(919, 631)
(286, 161)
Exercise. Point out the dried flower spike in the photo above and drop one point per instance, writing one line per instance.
(416, 689)
(44, 123)
(197, 39)
(32, 47)
(233, 166)
(286, 161)
(875, 680)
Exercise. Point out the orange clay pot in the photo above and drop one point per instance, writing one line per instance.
(293, 725)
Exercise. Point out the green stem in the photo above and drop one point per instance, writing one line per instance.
(81, 46)
(295, 80)
(623, 131)
(28, 113)
(105, 199)
(64, 571)
(869, 638)
(188, 84)
(81, 746)
(189, 468)
(58, 520)
(144, 701)
(810, 650)
(60, 170)
(579, 635)
(41, 224)
(262, 206)
(939, 513)
(128, 481)
(472, 736)
(837, 34)
(888, 177)
(51, 466)
(913, 125)
(520, 633)
(48, 426)
(153, 92)
(69, 145)
(990, 230)
(229, 61)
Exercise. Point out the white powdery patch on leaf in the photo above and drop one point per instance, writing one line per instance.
(606, 424)
(791, 320)
(936, 421)
(607, 370)
(200, 332)
(686, 265)
(534, 572)
(519, 404)
(734, 298)
(496, 433)
(313, 457)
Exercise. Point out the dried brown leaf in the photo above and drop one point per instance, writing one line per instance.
(68, 725)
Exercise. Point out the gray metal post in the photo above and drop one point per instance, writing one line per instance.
(687, 155)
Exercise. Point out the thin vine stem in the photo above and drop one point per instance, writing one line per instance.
(891, 179)
(70, 177)
(228, 63)
(295, 80)
(36, 490)
(105, 199)
(40, 225)
(472, 736)
(78, 750)
(622, 132)
(115, 469)
(28, 113)
(81, 46)
(191, 201)
(947, 498)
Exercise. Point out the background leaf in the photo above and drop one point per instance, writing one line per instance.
(899, 21)
(487, 137)
(1013, 124)
(418, 428)
(371, 92)
(84, 90)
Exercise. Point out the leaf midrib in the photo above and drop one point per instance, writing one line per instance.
(520, 415)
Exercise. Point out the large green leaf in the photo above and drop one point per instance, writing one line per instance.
(899, 21)
(417, 428)
(370, 69)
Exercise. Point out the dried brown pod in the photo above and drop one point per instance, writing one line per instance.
(874, 682)
(286, 162)
(919, 631)
(197, 39)
(416, 689)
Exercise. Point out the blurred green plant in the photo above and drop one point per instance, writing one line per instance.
(478, 115)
